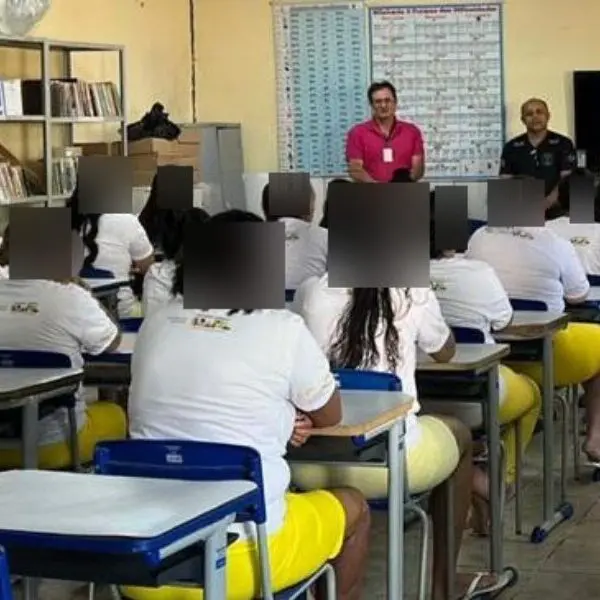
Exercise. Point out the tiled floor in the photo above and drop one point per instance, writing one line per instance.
(565, 567)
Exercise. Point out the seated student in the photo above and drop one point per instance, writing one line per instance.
(117, 243)
(158, 282)
(585, 238)
(197, 375)
(471, 295)
(305, 244)
(62, 317)
(535, 263)
(379, 329)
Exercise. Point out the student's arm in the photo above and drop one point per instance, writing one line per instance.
(417, 169)
(572, 274)
(506, 167)
(355, 159)
(312, 386)
(497, 305)
(434, 335)
(140, 248)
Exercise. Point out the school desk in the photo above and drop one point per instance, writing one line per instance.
(479, 362)
(533, 331)
(117, 530)
(366, 415)
(28, 388)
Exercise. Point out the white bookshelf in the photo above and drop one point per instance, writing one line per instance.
(47, 48)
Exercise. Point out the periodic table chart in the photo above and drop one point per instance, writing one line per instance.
(322, 76)
(446, 62)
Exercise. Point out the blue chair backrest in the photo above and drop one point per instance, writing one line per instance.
(131, 325)
(33, 359)
(354, 379)
(594, 280)
(468, 335)
(5, 587)
(475, 224)
(187, 460)
(93, 273)
(289, 295)
(528, 305)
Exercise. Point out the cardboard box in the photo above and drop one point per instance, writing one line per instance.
(153, 146)
(149, 162)
(144, 178)
(102, 149)
(190, 135)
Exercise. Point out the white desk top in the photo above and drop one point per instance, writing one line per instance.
(364, 411)
(103, 285)
(532, 324)
(17, 383)
(594, 295)
(468, 357)
(82, 504)
(127, 343)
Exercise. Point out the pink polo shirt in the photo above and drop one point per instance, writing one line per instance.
(367, 142)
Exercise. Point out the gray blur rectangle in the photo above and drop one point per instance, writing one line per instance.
(516, 202)
(378, 235)
(289, 195)
(582, 193)
(40, 243)
(105, 185)
(234, 266)
(451, 216)
(175, 187)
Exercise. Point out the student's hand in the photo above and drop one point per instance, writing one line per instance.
(302, 428)
(552, 198)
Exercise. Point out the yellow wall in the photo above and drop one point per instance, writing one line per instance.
(544, 41)
(157, 40)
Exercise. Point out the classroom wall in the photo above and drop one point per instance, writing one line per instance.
(544, 41)
(158, 63)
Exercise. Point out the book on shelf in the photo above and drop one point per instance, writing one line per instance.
(12, 183)
(64, 175)
(68, 98)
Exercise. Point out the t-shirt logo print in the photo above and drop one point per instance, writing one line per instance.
(210, 323)
(580, 241)
(31, 308)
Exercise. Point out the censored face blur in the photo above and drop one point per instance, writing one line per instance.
(535, 116)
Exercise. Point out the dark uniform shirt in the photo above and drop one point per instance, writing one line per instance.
(553, 155)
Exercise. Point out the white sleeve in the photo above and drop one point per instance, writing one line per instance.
(572, 273)
(316, 311)
(311, 381)
(87, 321)
(498, 308)
(139, 244)
(433, 331)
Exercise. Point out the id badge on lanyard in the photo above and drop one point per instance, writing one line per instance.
(388, 155)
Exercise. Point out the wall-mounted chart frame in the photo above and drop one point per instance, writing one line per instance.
(447, 63)
(322, 74)
(445, 60)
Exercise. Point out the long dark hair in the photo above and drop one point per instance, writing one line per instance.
(325, 218)
(86, 226)
(172, 225)
(228, 216)
(354, 345)
(5, 247)
(151, 216)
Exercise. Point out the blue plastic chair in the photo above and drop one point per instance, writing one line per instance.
(468, 335)
(39, 359)
(475, 224)
(5, 587)
(93, 273)
(594, 280)
(289, 295)
(353, 379)
(201, 461)
(131, 324)
(528, 305)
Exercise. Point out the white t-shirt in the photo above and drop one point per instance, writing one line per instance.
(4, 272)
(121, 240)
(305, 251)
(419, 323)
(204, 375)
(532, 263)
(158, 284)
(470, 294)
(49, 316)
(585, 238)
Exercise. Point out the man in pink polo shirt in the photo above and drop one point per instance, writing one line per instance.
(380, 146)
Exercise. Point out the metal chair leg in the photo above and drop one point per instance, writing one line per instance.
(91, 591)
(518, 479)
(424, 580)
(330, 582)
(564, 402)
(73, 439)
(116, 595)
(502, 481)
(574, 400)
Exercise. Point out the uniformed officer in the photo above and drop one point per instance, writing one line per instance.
(543, 154)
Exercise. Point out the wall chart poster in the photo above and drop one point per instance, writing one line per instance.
(322, 76)
(446, 62)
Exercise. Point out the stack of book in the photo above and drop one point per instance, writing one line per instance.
(64, 170)
(68, 98)
(12, 184)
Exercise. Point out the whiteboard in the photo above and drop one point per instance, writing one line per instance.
(322, 75)
(446, 62)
